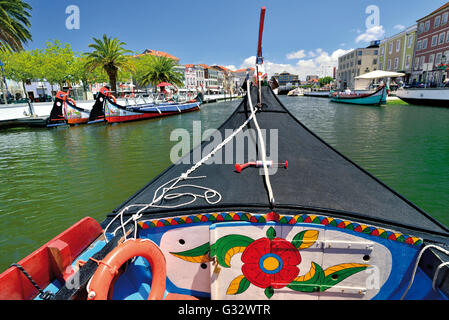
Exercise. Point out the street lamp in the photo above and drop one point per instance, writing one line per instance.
(4, 80)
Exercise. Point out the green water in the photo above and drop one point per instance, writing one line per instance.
(51, 179)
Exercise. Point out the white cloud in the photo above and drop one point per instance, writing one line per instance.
(296, 55)
(318, 62)
(231, 67)
(399, 27)
(373, 33)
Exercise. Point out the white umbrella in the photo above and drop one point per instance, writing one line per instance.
(380, 74)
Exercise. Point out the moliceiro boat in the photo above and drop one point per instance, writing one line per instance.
(434, 97)
(113, 112)
(321, 229)
(66, 112)
(376, 98)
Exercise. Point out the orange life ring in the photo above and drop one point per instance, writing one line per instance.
(98, 288)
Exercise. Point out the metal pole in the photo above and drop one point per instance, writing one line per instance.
(4, 80)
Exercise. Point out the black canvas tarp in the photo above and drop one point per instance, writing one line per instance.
(318, 178)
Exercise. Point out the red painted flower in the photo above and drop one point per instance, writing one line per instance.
(271, 263)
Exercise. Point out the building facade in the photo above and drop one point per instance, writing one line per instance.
(285, 78)
(356, 63)
(396, 52)
(432, 47)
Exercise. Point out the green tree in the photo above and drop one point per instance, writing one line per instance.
(22, 66)
(159, 69)
(326, 80)
(109, 54)
(14, 23)
(57, 60)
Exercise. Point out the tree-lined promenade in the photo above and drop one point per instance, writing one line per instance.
(109, 62)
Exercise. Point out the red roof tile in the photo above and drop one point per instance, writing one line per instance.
(158, 54)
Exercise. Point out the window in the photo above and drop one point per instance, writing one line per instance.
(375, 61)
(390, 48)
(421, 63)
(432, 59)
(421, 28)
(389, 64)
(398, 45)
(396, 63)
(410, 41)
(416, 63)
(424, 44)
(419, 45)
(381, 66)
(438, 58)
(360, 53)
(441, 38)
(407, 62)
(434, 40)
(427, 26)
(437, 22)
(376, 52)
(359, 62)
(444, 18)
(382, 51)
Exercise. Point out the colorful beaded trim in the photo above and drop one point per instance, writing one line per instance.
(291, 220)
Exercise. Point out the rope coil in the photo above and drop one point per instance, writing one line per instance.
(161, 193)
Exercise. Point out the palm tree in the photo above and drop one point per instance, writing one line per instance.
(162, 69)
(14, 23)
(109, 54)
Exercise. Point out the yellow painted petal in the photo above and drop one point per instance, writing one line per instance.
(343, 266)
(231, 252)
(199, 259)
(307, 276)
(309, 239)
(234, 285)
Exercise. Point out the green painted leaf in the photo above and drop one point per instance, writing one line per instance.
(269, 292)
(223, 245)
(195, 252)
(311, 282)
(336, 277)
(271, 233)
(305, 239)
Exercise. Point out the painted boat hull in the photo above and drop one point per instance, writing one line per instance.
(116, 114)
(377, 98)
(75, 115)
(433, 97)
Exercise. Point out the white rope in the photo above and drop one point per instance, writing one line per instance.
(437, 271)
(417, 263)
(161, 192)
(262, 146)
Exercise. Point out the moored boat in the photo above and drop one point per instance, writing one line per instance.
(317, 94)
(74, 114)
(376, 98)
(57, 116)
(116, 113)
(434, 97)
(220, 229)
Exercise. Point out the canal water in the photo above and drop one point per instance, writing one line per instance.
(50, 179)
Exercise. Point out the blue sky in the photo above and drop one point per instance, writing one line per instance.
(225, 32)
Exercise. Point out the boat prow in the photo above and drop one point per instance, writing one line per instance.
(434, 97)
